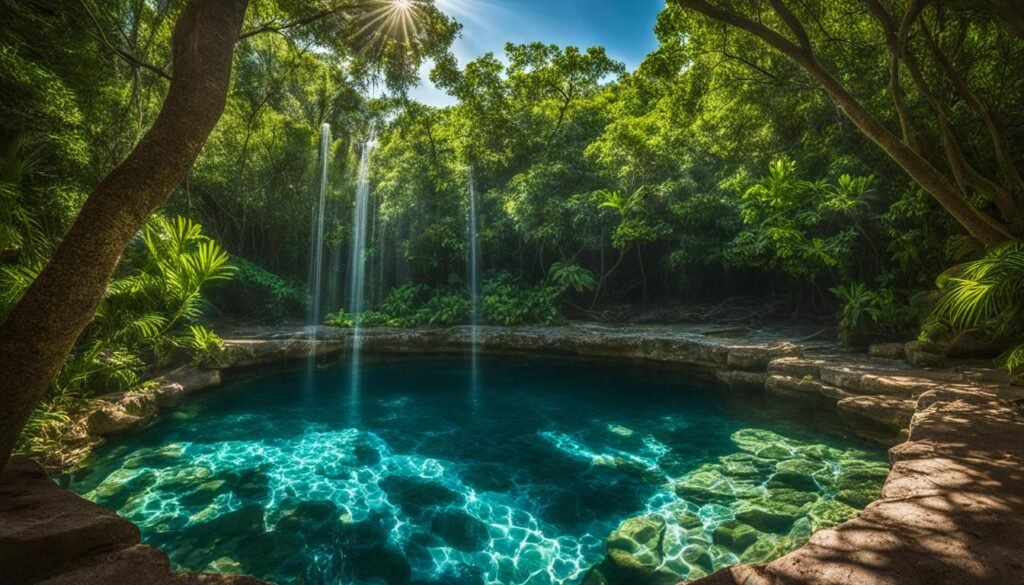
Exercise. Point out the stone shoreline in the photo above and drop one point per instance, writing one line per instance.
(952, 508)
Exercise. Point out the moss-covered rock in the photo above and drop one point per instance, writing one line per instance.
(767, 548)
(635, 553)
(696, 555)
(687, 520)
(753, 440)
(778, 518)
(745, 466)
(828, 513)
(735, 536)
(859, 482)
(711, 485)
(797, 474)
(640, 537)
(778, 496)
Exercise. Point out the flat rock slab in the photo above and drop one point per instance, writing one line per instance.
(51, 536)
(43, 526)
(951, 512)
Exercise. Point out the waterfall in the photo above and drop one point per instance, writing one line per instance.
(474, 290)
(314, 316)
(357, 268)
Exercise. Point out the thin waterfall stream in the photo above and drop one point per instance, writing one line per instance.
(357, 269)
(314, 316)
(474, 287)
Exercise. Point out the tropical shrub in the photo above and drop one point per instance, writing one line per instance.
(409, 305)
(507, 301)
(987, 295)
(449, 309)
(258, 294)
(798, 225)
(872, 315)
(569, 275)
(148, 318)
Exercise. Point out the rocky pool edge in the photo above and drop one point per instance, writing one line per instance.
(951, 509)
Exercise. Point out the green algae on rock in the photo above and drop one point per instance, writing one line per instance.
(751, 506)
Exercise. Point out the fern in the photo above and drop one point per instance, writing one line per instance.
(151, 309)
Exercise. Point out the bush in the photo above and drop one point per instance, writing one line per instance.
(258, 294)
(506, 301)
(869, 315)
(409, 305)
(987, 296)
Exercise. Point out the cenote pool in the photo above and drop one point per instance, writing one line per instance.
(519, 473)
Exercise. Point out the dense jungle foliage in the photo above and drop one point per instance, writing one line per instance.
(719, 168)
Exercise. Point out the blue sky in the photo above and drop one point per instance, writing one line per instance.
(623, 27)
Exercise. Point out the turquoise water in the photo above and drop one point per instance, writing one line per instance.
(420, 478)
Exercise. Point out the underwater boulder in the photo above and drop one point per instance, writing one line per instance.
(797, 474)
(460, 530)
(829, 513)
(735, 536)
(859, 482)
(710, 485)
(634, 554)
(767, 548)
(777, 518)
(415, 495)
(378, 563)
(317, 519)
(776, 496)
(368, 555)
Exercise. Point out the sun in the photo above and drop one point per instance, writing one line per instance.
(398, 19)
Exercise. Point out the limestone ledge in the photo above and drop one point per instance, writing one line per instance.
(876, 398)
(677, 345)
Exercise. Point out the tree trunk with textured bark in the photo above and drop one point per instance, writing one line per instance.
(41, 330)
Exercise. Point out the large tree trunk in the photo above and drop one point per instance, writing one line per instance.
(41, 330)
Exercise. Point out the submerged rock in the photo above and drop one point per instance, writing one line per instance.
(829, 513)
(460, 530)
(778, 518)
(642, 533)
(415, 495)
(635, 555)
(369, 557)
(711, 486)
(735, 536)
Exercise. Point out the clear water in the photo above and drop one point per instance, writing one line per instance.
(519, 479)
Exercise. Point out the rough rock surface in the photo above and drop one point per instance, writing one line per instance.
(672, 344)
(48, 535)
(952, 508)
(875, 397)
(121, 412)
